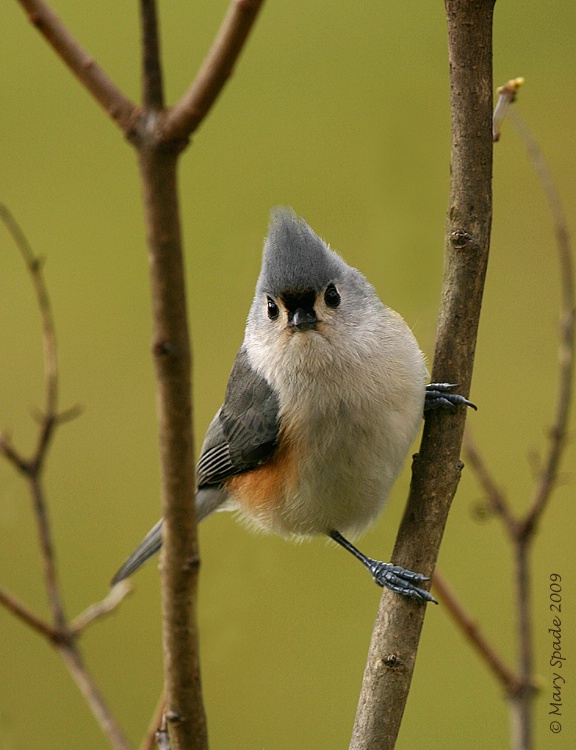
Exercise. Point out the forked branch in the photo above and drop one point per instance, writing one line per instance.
(59, 633)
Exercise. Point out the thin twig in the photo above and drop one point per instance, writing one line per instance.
(472, 632)
(59, 634)
(496, 497)
(100, 609)
(34, 266)
(187, 114)
(33, 467)
(558, 432)
(94, 699)
(117, 105)
(156, 722)
(27, 616)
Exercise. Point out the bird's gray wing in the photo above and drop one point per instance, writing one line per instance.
(242, 435)
(244, 432)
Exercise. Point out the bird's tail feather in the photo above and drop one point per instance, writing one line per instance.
(148, 547)
(208, 500)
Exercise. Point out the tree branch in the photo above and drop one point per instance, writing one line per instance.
(101, 609)
(558, 432)
(21, 611)
(496, 497)
(59, 633)
(73, 660)
(149, 739)
(152, 86)
(188, 113)
(472, 632)
(437, 468)
(107, 94)
(171, 350)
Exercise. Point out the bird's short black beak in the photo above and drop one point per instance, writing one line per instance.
(302, 319)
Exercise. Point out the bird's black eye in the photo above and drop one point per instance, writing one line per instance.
(273, 310)
(331, 296)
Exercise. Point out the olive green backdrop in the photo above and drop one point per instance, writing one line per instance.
(340, 110)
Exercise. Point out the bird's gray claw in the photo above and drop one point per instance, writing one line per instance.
(440, 396)
(400, 580)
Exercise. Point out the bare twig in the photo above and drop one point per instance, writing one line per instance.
(473, 633)
(32, 468)
(84, 67)
(437, 468)
(156, 722)
(101, 609)
(496, 497)
(59, 633)
(558, 432)
(34, 267)
(27, 616)
(188, 113)
(73, 660)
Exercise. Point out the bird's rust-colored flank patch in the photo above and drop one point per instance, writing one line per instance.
(263, 489)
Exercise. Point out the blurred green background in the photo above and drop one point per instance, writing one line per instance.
(340, 110)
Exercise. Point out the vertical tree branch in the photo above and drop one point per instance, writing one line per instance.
(520, 702)
(152, 85)
(436, 470)
(171, 350)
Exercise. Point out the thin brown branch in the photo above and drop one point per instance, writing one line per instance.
(437, 468)
(152, 87)
(34, 267)
(100, 609)
(59, 634)
(33, 468)
(521, 703)
(558, 433)
(27, 616)
(188, 113)
(83, 66)
(12, 456)
(496, 497)
(149, 740)
(473, 633)
(93, 697)
(47, 552)
(63, 640)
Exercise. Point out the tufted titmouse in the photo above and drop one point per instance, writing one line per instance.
(323, 403)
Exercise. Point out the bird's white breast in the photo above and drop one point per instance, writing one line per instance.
(351, 404)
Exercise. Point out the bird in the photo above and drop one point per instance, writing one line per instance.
(325, 397)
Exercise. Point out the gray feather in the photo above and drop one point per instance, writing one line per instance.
(295, 257)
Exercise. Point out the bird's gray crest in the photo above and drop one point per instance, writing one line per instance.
(295, 258)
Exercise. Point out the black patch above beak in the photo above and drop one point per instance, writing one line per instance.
(300, 307)
(302, 319)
